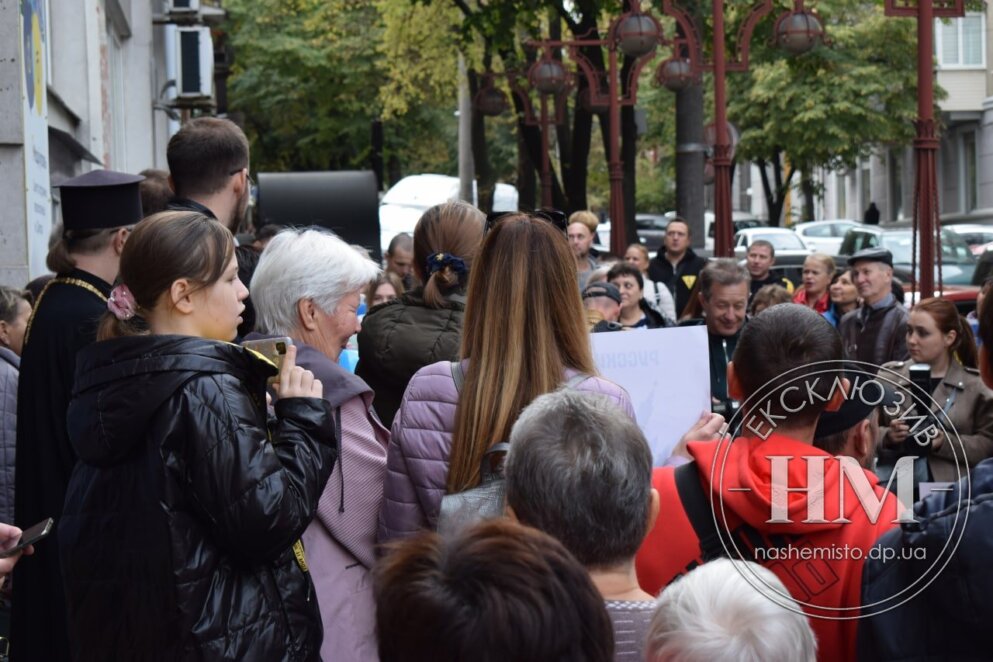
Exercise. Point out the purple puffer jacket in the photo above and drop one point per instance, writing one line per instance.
(421, 442)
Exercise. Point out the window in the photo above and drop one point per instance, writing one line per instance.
(960, 42)
(969, 169)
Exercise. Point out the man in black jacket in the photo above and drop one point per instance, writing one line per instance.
(876, 332)
(208, 170)
(676, 264)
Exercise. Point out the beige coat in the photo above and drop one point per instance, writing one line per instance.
(970, 414)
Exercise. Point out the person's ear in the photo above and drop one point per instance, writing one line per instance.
(307, 312)
(120, 238)
(241, 182)
(734, 385)
(4, 333)
(862, 442)
(180, 294)
(653, 509)
(838, 397)
(172, 185)
(509, 513)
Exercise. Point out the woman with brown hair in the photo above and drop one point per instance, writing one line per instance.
(422, 326)
(184, 510)
(939, 337)
(525, 335)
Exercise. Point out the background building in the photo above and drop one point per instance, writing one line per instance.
(83, 84)
(965, 157)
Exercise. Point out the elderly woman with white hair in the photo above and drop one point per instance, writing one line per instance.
(307, 286)
(729, 610)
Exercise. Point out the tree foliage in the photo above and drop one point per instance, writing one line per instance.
(832, 106)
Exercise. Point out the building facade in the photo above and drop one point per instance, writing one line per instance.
(83, 85)
(965, 158)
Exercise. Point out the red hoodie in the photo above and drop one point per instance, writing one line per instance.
(819, 560)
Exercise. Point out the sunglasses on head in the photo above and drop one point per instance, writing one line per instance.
(553, 216)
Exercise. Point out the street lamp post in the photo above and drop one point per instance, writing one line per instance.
(635, 34)
(797, 31)
(550, 78)
(927, 222)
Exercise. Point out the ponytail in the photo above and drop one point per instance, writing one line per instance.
(58, 260)
(964, 348)
(111, 327)
(439, 284)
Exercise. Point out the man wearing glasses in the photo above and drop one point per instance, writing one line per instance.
(208, 169)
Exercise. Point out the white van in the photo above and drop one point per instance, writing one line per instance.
(403, 204)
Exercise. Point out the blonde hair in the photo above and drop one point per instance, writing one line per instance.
(533, 304)
(587, 218)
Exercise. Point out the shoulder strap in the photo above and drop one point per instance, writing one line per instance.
(698, 509)
(458, 376)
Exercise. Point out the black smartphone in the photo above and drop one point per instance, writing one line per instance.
(28, 537)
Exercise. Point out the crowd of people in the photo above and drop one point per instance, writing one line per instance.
(475, 489)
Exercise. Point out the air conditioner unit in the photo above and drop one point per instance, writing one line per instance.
(182, 6)
(195, 78)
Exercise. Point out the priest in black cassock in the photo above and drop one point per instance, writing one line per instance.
(98, 209)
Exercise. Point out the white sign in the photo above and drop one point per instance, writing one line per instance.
(667, 374)
(34, 92)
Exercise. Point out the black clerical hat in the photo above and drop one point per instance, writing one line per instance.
(101, 199)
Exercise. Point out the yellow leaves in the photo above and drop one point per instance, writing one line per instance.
(420, 49)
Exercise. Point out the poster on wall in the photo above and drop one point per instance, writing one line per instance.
(34, 92)
(667, 374)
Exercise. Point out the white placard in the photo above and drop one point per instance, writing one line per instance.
(34, 93)
(667, 374)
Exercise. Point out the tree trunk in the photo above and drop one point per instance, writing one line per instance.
(485, 173)
(527, 187)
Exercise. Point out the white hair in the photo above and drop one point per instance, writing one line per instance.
(714, 613)
(305, 264)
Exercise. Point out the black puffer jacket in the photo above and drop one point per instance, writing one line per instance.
(400, 337)
(941, 563)
(179, 536)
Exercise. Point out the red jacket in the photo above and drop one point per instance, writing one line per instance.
(813, 559)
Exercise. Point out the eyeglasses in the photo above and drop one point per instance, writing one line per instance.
(553, 216)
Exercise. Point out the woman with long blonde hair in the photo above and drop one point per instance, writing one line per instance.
(524, 335)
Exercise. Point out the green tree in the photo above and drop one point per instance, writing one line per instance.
(830, 107)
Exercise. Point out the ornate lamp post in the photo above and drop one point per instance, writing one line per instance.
(549, 77)
(797, 32)
(635, 34)
(927, 222)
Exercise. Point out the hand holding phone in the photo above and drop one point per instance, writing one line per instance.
(294, 381)
(14, 542)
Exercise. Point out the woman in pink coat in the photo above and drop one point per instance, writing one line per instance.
(524, 335)
(307, 287)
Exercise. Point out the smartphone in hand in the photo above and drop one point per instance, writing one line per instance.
(273, 349)
(28, 537)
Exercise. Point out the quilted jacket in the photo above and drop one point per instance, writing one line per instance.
(421, 442)
(400, 337)
(9, 367)
(178, 540)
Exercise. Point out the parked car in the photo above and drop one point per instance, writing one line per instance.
(957, 262)
(977, 237)
(825, 236)
(403, 204)
(651, 229)
(790, 248)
